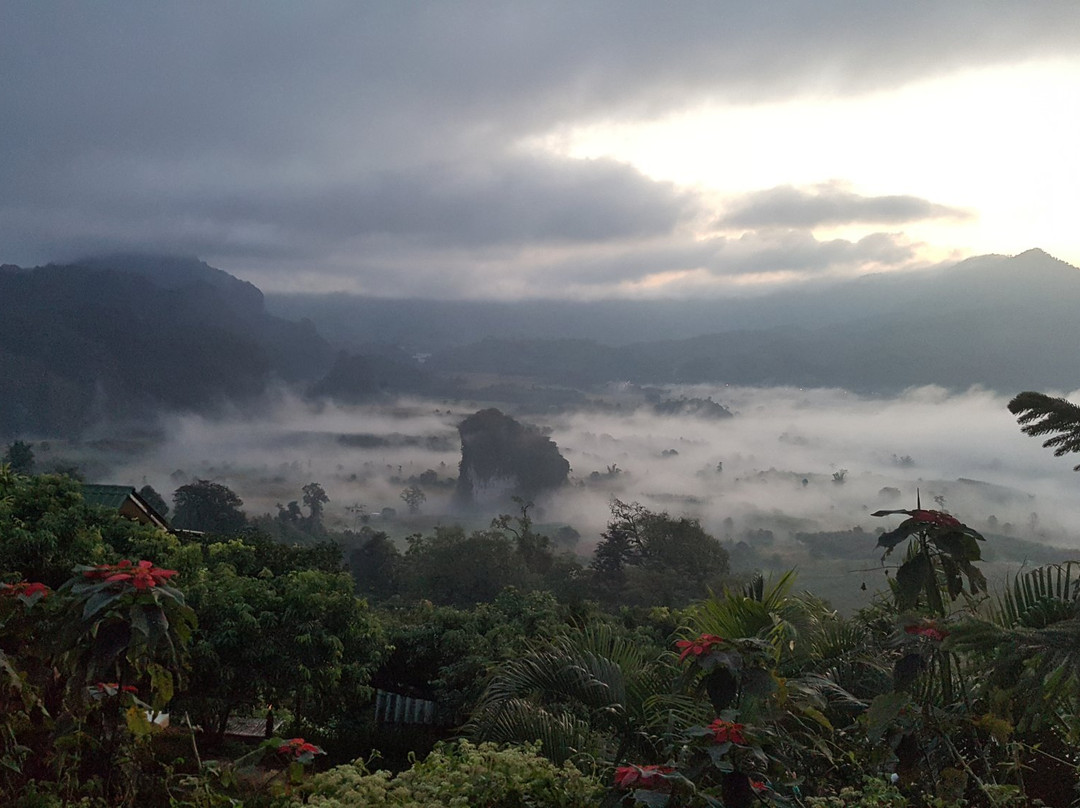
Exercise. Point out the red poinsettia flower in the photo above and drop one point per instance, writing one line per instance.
(143, 575)
(25, 588)
(724, 731)
(938, 518)
(702, 645)
(648, 777)
(928, 629)
(298, 747)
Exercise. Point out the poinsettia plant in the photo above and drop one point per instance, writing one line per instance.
(29, 592)
(128, 624)
(939, 543)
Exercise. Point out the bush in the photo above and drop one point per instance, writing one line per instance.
(460, 775)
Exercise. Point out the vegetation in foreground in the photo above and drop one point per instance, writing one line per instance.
(549, 684)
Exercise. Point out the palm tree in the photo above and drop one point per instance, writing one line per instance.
(589, 693)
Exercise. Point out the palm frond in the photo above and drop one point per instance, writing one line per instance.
(561, 735)
(1039, 597)
(1039, 414)
(587, 686)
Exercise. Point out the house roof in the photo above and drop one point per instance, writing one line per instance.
(126, 500)
(107, 496)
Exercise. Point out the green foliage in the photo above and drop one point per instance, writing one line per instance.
(46, 528)
(461, 775)
(1040, 414)
(760, 610)
(20, 456)
(941, 547)
(448, 653)
(125, 624)
(454, 569)
(874, 792)
(652, 559)
(376, 565)
(300, 639)
(209, 507)
(585, 693)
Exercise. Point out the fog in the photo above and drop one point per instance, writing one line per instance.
(791, 460)
(781, 452)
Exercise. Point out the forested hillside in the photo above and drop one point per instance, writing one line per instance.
(127, 336)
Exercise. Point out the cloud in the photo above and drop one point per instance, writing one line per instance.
(679, 266)
(290, 139)
(829, 204)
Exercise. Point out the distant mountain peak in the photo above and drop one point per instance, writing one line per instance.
(171, 271)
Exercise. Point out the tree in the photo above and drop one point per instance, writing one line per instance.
(280, 625)
(314, 498)
(209, 507)
(1040, 414)
(414, 497)
(154, 499)
(654, 559)
(20, 456)
(376, 566)
(454, 569)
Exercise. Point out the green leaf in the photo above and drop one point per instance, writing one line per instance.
(883, 710)
(138, 620)
(953, 582)
(818, 716)
(959, 545)
(907, 528)
(653, 799)
(296, 773)
(976, 580)
(137, 722)
(911, 578)
(98, 601)
(718, 755)
(161, 684)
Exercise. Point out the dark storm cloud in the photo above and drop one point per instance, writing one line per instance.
(289, 136)
(509, 201)
(829, 204)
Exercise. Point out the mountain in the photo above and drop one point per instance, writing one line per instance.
(1030, 280)
(128, 335)
(122, 336)
(1005, 323)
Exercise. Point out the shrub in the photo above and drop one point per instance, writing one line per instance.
(460, 775)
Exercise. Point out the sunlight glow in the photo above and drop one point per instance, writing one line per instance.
(1000, 142)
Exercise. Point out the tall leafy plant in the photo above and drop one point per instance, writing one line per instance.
(939, 557)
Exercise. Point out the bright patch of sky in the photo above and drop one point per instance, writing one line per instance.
(999, 142)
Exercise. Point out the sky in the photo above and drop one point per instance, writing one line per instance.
(585, 149)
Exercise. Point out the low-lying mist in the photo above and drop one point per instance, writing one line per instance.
(791, 460)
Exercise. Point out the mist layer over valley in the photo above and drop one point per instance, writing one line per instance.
(791, 478)
(754, 431)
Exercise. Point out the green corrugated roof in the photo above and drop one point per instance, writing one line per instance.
(107, 496)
